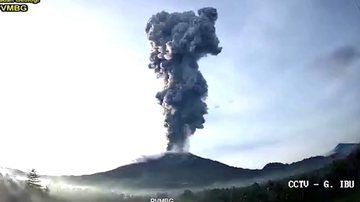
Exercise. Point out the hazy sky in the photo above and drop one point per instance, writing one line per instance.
(76, 95)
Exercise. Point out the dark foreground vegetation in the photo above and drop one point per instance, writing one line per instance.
(278, 191)
(271, 191)
(30, 190)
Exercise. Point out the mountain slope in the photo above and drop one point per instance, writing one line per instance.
(175, 170)
(170, 170)
(185, 170)
(342, 150)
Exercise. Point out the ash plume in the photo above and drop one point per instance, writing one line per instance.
(178, 41)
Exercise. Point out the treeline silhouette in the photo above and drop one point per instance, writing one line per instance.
(279, 191)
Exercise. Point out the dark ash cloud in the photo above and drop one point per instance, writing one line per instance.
(178, 41)
(338, 62)
(345, 56)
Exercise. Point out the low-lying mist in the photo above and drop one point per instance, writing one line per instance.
(60, 190)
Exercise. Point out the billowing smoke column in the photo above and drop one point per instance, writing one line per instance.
(178, 41)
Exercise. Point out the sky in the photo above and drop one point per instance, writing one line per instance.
(76, 96)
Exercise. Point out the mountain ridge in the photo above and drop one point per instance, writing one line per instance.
(179, 170)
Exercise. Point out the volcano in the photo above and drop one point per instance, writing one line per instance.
(186, 170)
(170, 170)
